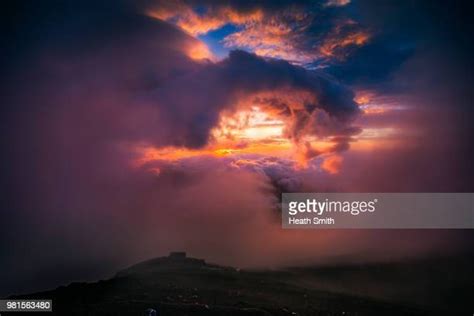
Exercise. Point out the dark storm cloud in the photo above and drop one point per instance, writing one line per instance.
(194, 101)
(402, 30)
(83, 45)
(74, 74)
(373, 62)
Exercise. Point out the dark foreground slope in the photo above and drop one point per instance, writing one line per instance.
(186, 286)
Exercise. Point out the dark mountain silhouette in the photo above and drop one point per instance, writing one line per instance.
(179, 285)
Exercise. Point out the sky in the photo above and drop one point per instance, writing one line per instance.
(134, 128)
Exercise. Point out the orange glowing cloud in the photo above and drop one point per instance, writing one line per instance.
(337, 3)
(274, 37)
(250, 130)
(282, 35)
(196, 24)
(199, 51)
(252, 124)
(366, 99)
(332, 164)
(364, 96)
(344, 35)
(268, 36)
(276, 124)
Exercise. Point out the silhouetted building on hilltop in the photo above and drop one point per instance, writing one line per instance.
(175, 260)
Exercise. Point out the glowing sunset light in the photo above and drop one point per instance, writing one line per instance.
(260, 133)
(200, 51)
(134, 128)
(332, 164)
(253, 124)
(196, 24)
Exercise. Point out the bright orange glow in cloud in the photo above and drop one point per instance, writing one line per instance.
(337, 3)
(363, 97)
(199, 51)
(373, 104)
(246, 132)
(269, 34)
(332, 164)
(273, 37)
(342, 36)
(249, 125)
(195, 24)
(258, 126)
(257, 131)
(251, 128)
